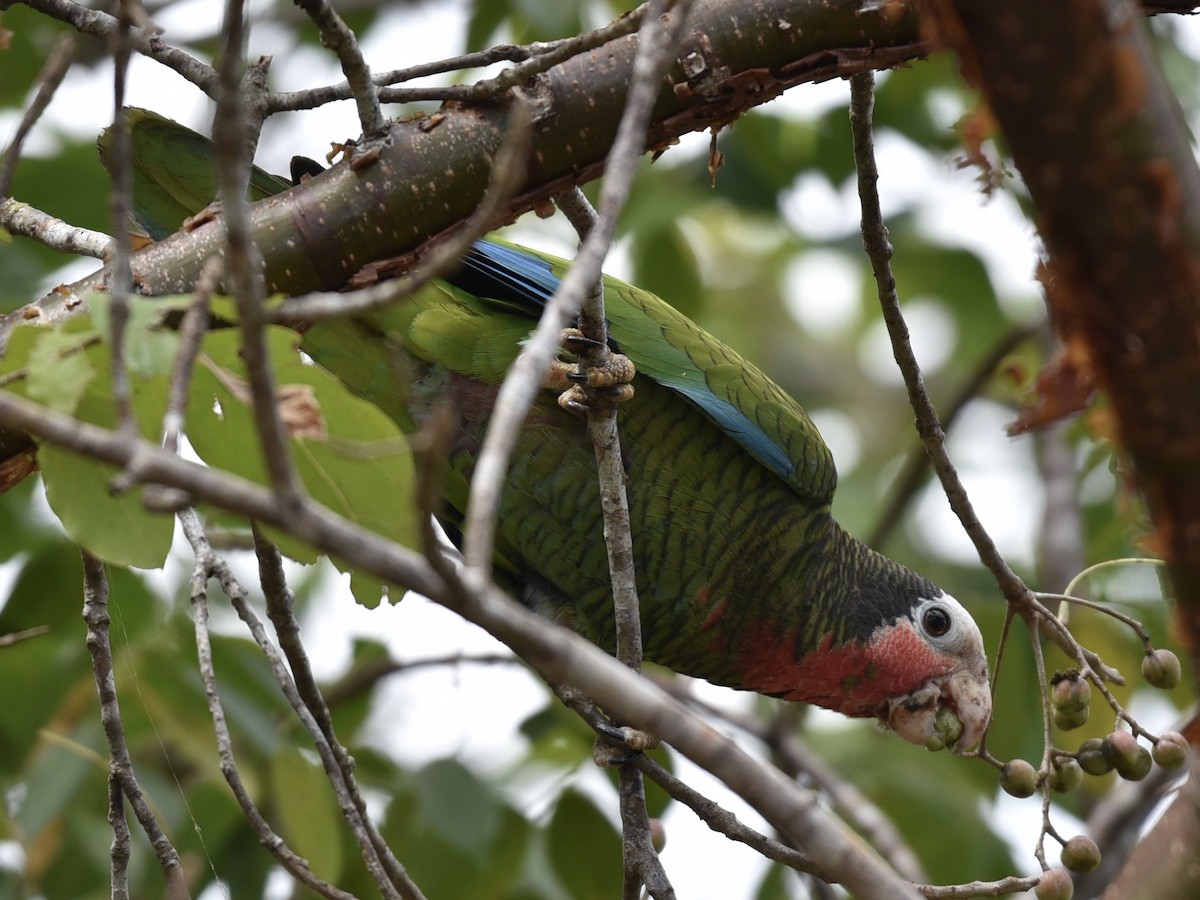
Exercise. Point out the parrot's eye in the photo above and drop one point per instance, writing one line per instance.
(936, 621)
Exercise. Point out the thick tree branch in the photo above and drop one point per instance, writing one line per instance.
(430, 172)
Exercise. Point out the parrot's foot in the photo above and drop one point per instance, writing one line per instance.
(608, 380)
(618, 745)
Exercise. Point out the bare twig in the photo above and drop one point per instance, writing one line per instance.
(879, 250)
(16, 637)
(916, 465)
(279, 609)
(243, 270)
(23, 219)
(292, 864)
(287, 101)
(48, 80)
(144, 40)
(191, 335)
(122, 780)
(338, 37)
(121, 205)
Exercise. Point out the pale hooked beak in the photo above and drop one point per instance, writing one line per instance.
(915, 717)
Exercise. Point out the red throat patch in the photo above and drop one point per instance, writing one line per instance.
(851, 678)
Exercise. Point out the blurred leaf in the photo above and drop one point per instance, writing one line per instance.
(585, 849)
(308, 811)
(913, 793)
(459, 806)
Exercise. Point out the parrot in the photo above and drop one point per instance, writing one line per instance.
(745, 578)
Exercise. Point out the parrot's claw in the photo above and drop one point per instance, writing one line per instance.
(608, 379)
(620, 744)
(573, 339)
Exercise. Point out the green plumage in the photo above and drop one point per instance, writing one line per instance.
(714, 526)
(744, 577)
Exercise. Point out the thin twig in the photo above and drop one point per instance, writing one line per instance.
(338, 37)
(913, 473)
(294, 865)
(191, 336)
(879, 251)
(523, 72)
(290, 101)
(280, 601)
(243, 271)
(120, 763)
(121, 206)
(144, 40)
(23, 219)
(16, 637)
(48, 80)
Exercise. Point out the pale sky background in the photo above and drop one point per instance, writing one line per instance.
(472, 711)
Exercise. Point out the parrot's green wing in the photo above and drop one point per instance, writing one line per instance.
(671, 349)
(474, 327)
(173, 172)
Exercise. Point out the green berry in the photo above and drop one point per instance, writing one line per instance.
(1065, 775)
(1070, 692)
(1161, 669)
(1119, 746)
(1091, 757)
(1019, 778)
(1080, 854)
(1123, 752)
(1055, 884)
(1065, 720)
(948, 724)
(1171, 750)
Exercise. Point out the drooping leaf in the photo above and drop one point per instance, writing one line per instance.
(349, 455)
(308, 811)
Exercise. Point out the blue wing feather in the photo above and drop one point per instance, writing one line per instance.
(795, 452)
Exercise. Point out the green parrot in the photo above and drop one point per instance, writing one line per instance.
(745, 578)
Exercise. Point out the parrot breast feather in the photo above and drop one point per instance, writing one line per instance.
(672, 350)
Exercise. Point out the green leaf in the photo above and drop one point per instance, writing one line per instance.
(150, 346)
(308, 811)
(115, 527)
(59, 371)
(460, 807)
(585, 849)
(350, 456)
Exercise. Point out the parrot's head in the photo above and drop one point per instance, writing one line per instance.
(939, 649)
(923, 672)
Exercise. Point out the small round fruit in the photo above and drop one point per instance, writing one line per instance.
(1120, 746)
(1080, 854)
(1161, 669)
(1069, 720)
(1070, 692)
(1019, 778)
(1065, 775)
(1091, 757)
(1171, 750)
(658, 834)
(1055, 884)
